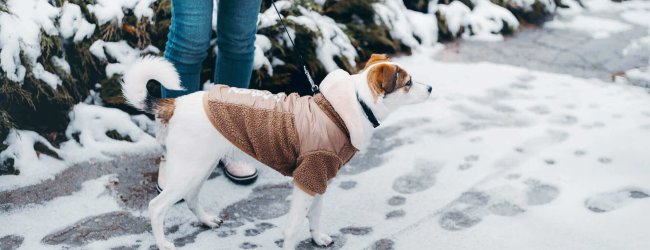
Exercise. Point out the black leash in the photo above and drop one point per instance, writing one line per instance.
(314, 87)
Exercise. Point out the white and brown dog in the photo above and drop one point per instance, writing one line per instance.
(308, 138)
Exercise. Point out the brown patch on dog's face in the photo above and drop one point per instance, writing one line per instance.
(382, 81)
(165, 109)
(376, 58)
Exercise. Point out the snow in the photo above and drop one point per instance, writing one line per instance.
(34, 167)
(73, 24)
(61, 63)
(122, 52)
(639, 46)
(20, 33)
(332, 42)
(456, 15)
(425, 27)
(262, 45)
(89, 124)
(595, 26)
(487, 20)
(47, 77)
(36, 221)
(536, 152)
(501, 157)
(269, 17)
(113, 10)
(483, 23)
(638, 17)
(395, 16)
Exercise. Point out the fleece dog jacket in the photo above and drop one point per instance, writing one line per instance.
(303, 137)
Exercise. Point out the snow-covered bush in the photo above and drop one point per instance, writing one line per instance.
(55, 54)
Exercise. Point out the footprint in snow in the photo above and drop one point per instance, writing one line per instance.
(531, 147)
(471, 207)
(605, 202)
(468, 162)
(422, 177)
(383, 141)
(563, 119)
(539, 193)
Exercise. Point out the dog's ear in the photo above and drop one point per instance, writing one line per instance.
(381, 79)
(376, 58)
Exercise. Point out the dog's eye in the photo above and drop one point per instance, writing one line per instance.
(409, 83)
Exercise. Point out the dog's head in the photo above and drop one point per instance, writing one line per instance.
(391, 86)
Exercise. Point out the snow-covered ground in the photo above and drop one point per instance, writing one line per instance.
(501, 157)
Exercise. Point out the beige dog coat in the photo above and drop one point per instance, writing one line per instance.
(303, 137)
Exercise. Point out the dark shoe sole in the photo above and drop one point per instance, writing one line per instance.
(240, 180)
(159, 190)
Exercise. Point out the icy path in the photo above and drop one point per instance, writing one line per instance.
(500, 158)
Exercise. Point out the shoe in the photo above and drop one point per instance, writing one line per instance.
(159, 190)
(245, 174)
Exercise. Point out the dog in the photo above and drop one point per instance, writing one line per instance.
(202, 128)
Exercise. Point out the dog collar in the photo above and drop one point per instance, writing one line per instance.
(369, 114)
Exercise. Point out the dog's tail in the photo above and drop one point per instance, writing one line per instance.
(134, 82)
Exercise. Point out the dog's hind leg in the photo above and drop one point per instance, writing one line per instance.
(158, 208)
(300, 203)
(187, 166)
(193, 203)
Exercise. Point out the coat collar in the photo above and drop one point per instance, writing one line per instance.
(338, 88)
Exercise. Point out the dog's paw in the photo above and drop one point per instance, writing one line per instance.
(166, 245)
(321, 239)
(212, 222)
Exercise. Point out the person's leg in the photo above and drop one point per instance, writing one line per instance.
(187, 46)
(236, 29)
(188, 41)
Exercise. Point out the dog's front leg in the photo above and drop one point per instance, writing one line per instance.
(319, 238)
(300, 203)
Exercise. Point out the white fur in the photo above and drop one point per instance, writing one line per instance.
(145, 69)
(193, 153)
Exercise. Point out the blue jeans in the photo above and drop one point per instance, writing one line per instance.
(189, 39)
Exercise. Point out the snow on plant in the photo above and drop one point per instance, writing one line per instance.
(121, 52)
(424, 27)
(527, 5)
(331, 42)
(88, 139)
(27, 160)
(393, 14)
(269, 17)
(73, 24)
(262, 45)
(20, 33)
(487, 20)
(90, 124)
(61, 63)
(455, 15)
(113, 10)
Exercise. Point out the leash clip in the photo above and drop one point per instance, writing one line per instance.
(314, 87)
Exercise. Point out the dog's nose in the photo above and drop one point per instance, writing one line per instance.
(429, 89)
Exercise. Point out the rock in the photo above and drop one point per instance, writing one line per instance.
(356, 230)
(100, 227)
(383, 244)
(11, 242)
